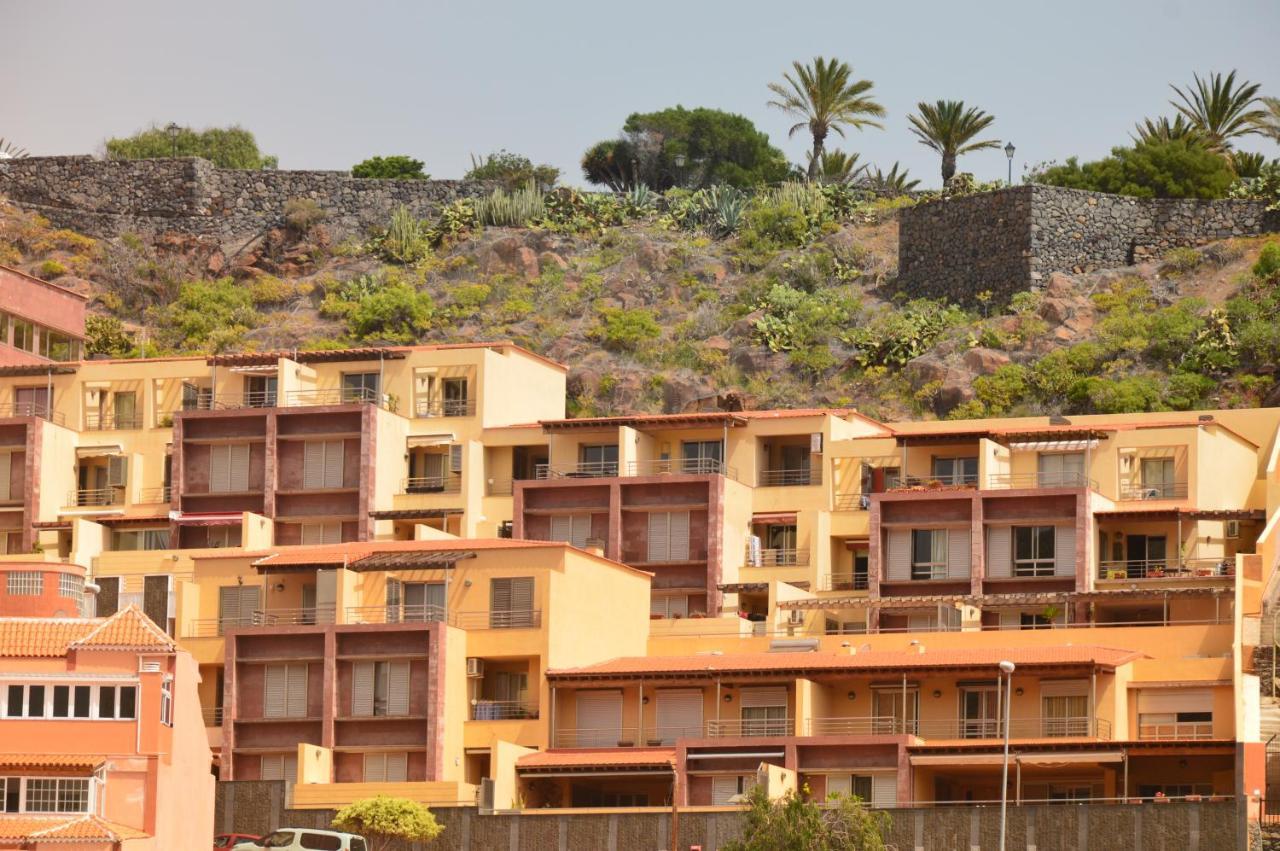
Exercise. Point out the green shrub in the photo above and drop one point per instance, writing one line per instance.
(1133, 394)
(513, 209)
(105, 335)
(206, 316)
(1173, 168)
(225, 147)
(268, 289)
(895, 335)
(1264, 187)
(302, 214)
(51, 269)
(456, 217)
(394, 167)
(1267, 268)
(794, 320)
(627, 330)
(405, 240)
(769, 228)
(1002, 390)
(512, 171)
(1179, 261)
(396, 313)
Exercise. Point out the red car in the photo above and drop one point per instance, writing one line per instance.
(227, 840)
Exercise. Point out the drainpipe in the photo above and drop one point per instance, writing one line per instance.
(382, 388)
(904, 702)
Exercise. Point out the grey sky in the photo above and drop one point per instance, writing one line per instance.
(324, 84)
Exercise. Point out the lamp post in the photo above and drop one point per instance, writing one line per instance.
(173, 130)
(679, 160)
(1008, 152)
(1006, 668)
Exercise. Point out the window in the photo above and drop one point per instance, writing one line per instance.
(764, 712)
(386, 767)
(285, 691)
(1175, 725)
(668, 536)
(956, 471)
(57, 795)
(222, 536)
(1158, 478)
(237, 605)
(128, 702)
(511, 602)
(281, 838)
(279, 766)
(1033, 550)
(728, 789)
(322, 464)
(70, 585)
(10, 794)
(125, 405)
(701, 456)
(669, 606)
(24, 335)
(571, 528)
(598, 459)
(140, 539)
(380, 688)
(979, 711)
(58, 347)
(329, 532)
(780, 544)
(1064, 707)
(260, 391)
(25, 583)
(118, 702)
(229, 468)
(196, 398)
(360, 387)
(456, 403)
(856, 785)
(25, 701)
(928, 553)
(319, 842)
(887, 709)
(1060, 469)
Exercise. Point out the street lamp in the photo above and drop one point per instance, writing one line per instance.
(1006, 668)
(1008, 152)
(173, 130)
(679, 160)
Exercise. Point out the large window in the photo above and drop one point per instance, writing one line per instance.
(1060, 469)
(1158, 478)
(894, 710)
(25, 583)
(979, 711)
(928, 553)
(140, 539)
(511, 602)
(956, 471)
(55, 795)
(57, 700)
(456, 401)
(360, 387)
(1033, 549)
(24, 335)
(701, 456)
(598, 459)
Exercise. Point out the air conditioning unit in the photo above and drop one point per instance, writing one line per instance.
(475, 667)
(1232, 529)
(150, 667)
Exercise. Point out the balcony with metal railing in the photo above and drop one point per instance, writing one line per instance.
(852, 502)
(789, 476)
(41, 410)
(214, 627)
(394, 614)
(111, 420)
(476, 620)
(732, 728)
(1154, 490)
(152, 496)
(96, 497)
(843, 582)
(658, 467)
(447, 483)
(945, 481)
(430, 408)
(1170, 568)
(779, 557)
(212, 715)
(1175, 730)
(1080, 727)
(1029, 481)
(503, 710)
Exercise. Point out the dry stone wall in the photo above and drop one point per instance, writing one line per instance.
(1012, 239)
(190, 195)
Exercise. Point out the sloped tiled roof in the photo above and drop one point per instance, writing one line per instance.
(62, 828)
(353, 551)
(87, 762)
(128, 629)
(631, 758)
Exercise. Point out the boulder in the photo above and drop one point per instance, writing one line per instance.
(926, 369)
(718, 344)
(551, 260)
(984, 361)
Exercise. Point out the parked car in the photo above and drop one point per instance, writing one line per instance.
(223, 841)
(305, 839)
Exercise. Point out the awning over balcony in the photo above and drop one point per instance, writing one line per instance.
(994, 601)
(411, 560)
(628, 762)
(99, 450)
(419, 440)
(1044, 760)
(1173, 513)
(414, 513)
(1053, 445)
(777, 517)
(323, 356)
(188, 518)
(710, 419)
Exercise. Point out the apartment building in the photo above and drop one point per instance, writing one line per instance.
(104, 745)
(41, 325)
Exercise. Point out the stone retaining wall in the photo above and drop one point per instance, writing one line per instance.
(1012, 239)
(190, 195)
(257, 807)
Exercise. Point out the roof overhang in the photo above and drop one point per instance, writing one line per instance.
(414, 513)
(365, 353)
(666, 421)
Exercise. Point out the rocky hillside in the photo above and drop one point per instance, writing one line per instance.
(652, 317)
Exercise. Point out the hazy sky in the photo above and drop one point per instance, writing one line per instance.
(325, 84)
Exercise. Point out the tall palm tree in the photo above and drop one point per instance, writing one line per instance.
(948, 128)
(1220, 109)
(826, 99)
(838, 167)
(1164, 130)
(1269, 123)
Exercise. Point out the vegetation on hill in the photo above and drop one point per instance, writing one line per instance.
(393, 167)
(225, 147)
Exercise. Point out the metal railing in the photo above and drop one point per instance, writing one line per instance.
(580, 470)
(156, 495)
(681, 466)
(790, 476)
(603, 737)
(1166, 568)
(33, 409)
(750, 727)
(779, 557)
(843, 582)
(1065, 479)
(394, 614)
(852, 501)
(335, 396)
(1181, 730)
(1154, 490)
(295, 617)
(499, 487)
(1081, 727)
(96, 497)
(503, 710)
(524, 619)
(445, 408)
(667, 735)
(954, 480)
(212, 716)
(105, 421)
(448, 483)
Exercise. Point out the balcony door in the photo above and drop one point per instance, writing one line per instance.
(1060, 469)
(701, 456)
(360, 387)
(764, 712)
(260, 391)
(1064, 707)
(956, 471)
(979, 711)
(511, 602)
(31, 401)
(1145, 554)
(599, 719)
(599, 459)
(893, 710)
(1158, 478)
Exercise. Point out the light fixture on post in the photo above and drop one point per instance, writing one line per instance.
(1008, 152)
(679, 160)
(1006, 668)
(173, 130)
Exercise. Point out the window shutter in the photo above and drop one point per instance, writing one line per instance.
(362, 689)
(219, 468)
(884, 790)
(1175, 700)
(117, 471)
(753, 698)
(271, 767)
(679, 536)
(1010, 619)
(500, 595)
(999, 552)
(274, 703)
(331, 533)
(375, 768)
(581, 530)
(239, 473)
(679, 713)
(455, 458)
(959, 553)
(659, 535)
(522, 594)
(398, 689)
(898, 556)
(1064, 688)
(1064, 550)
(297, 696)
(6, 465)
(724, 787)
(561, 527)
(397, 767)
(658, 606)
(839, 784)
(250, 602)
(599, 718)
(334, 458)
(312, 465)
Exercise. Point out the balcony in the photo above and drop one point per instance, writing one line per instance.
(449, 483)
(953, 481)
(852, 501)
(660, 467)
(1154, 490)
(499, 487)
(291, 399)
(212, 716)
(1176, 730)
(503, 710)
(790, 476)
(1029, 481)
(214, 627)
(106, 421)
(843, 582)
(394, 614)
(779, 557)
(33, 409)
(607, 737)
(1083, 727)
(524, 619)
(445, 408)
(96, 497)
(732, 728)
(1166, 568)
(580, 470)
(151, 496)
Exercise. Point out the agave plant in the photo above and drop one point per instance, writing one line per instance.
(722, 209)
(640, 199)
(512, 209)
(10, 151)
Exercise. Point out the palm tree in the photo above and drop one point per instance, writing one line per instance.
(826, 98)
(839, 167)
(891, 182)
(1269, 124)
(948, 128)
(1164, 130)
(10, 151)
(1247, 164)
(1219, 109)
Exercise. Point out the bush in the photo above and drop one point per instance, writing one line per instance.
(1264, 187)
(1174, 168)
(794, 320)
(1179, 261)
(406, 240)
(773, 227)
(207, 316)
(51, 269)
(302, 214)
(896, 335)
(627, 330)
(105, 335)
(1267, 268)
(795, 823)
(394, 313)
(511, 209)
(383, 820)
(395, 167)
(225, 147)
(512, 171)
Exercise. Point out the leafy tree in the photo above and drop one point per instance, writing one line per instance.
(826, 99)
(1163, 130)
(105, 335)
(1178, 168)
(891, 182)
(512, 171)
(685, 147)
(394, 167)
(384, 820)
(206, 316)
(839, 167)
(225, 147)
(1219, 109)
(1268, 123)
(794, 823)
(948, 128)
(397, 313)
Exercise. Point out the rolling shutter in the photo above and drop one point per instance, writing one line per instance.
(561, 527)
(334, 459)
(312, 465)
(1172, 700)
(659, 535)
(599, 718)
(581, 530)
(726, 786)
(312, 533)
(398, 688)
(6, 465)
(1010, 619)
(959, 553)
(275, 688)
(220, 468)
(279, 766)
(522, 594)
(884, 790)
(238, 478)
(1064, 688)
(117, 471)
(839, 784)
(999, 552)
(362, 689)
(297, 691)
(679, 536)
(108, 602)
(759, 697)
(898, 555)
(385, 767)
(679, 713)
(455, 458)
(1064, 550)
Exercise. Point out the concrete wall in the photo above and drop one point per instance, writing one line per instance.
(191, 195)
(1013, 239)
(255, 807)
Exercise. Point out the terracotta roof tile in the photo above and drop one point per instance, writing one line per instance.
(126, 629)
(41, 637)
(64, 828)
(877, 660)
(355, 550)
(602, 758)
(87, 762)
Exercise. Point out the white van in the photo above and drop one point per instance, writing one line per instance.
(306, 839)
